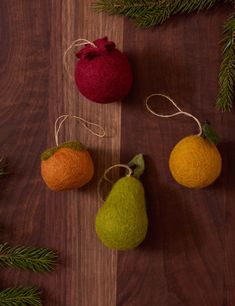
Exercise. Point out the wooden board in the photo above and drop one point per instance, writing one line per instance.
(188, 256)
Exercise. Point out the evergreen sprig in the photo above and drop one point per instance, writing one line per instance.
(20, 297)
(28, 258)
(227, 69)
(149, 13)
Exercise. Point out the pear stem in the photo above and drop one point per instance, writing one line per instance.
(138, 166)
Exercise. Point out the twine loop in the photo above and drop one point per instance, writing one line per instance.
(104, 177)
(180, 111)
(75, 44)
(85, 123)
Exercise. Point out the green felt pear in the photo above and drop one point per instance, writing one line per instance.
(122, 223)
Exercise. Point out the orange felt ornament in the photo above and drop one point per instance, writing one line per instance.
(69, 165)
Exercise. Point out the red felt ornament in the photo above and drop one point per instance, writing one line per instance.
(103, 73)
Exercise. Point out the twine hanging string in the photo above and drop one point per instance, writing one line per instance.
(75, 44)
(61, 119)
(105, 177)
(180, 112)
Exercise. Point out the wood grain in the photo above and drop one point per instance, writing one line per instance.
(34, 92)
(188, 258)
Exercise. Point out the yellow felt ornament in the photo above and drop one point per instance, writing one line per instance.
(69, 165)
(195, 161)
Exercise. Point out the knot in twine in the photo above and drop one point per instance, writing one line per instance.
(104, 177)
(75, 44)
(61, 119)
(180, 111)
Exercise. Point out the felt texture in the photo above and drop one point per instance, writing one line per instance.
(195, 162)
(103, 73)
(121, 223)
(67, 169)
(75, 145)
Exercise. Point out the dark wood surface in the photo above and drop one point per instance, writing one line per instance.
(188, 258)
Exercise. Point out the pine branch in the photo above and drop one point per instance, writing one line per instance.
(20, 297)
(148, 13)
(172, 8)
(227, 69)
(131, 8)
(35, 259)
(3, 166)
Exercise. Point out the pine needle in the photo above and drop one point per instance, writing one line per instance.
(20, 297)
(148, 13)
(28, 258)
(164, 12)
(227, 69)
